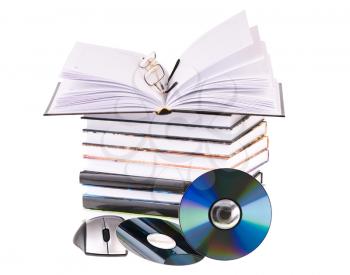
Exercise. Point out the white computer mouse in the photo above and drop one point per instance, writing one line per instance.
(97, 236)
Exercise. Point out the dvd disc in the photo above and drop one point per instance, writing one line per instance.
(139, 235)
(225, 214)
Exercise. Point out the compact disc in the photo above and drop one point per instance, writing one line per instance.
(225, 214)
(157, 240)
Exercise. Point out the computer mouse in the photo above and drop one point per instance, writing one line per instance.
(98, 237)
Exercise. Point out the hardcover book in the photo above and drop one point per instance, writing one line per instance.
(227, 70)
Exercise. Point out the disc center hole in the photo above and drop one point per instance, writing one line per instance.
(225, 214)
(161, 241)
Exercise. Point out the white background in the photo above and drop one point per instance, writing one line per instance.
(307, 177)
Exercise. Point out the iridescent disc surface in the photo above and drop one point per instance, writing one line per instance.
(196, 214)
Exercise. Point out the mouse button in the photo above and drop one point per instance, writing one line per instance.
(112, 223)
(106, 234)
(79, 237)
(94, 239)
(114, 245)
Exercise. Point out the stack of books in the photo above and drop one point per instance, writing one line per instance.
(150, 133)
(143, 162)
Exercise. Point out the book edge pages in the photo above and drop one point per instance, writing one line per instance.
(87, 117)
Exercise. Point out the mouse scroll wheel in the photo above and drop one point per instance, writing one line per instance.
(106, 235)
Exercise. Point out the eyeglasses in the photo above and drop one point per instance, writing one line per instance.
(154, 72)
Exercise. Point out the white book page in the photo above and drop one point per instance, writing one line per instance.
(102, 63)
(76, 96)
(257, 69)
(227, 69)
(248, 78)
(107, 65)
(243, 57)
(217, 44)
(239, 102)
(240, 83)
(98, 79)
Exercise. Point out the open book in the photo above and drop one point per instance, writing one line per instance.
(227, 70)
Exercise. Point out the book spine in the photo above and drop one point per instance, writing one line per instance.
(132, 182)
(131, 206)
